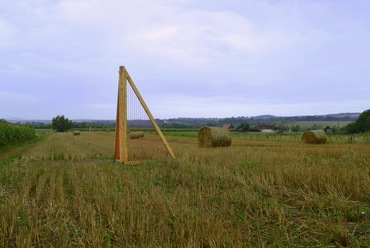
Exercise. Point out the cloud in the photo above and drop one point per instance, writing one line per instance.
(231, 55)
(5, 28)
(237, 106)
(101, 106)
(10, 98)
(164, 29)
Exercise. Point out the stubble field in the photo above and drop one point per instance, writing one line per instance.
(66, 191)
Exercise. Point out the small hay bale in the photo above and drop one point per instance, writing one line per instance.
(314, 137)
(76, 132)
(136, 135)
(214, 137)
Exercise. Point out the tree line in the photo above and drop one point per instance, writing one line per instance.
(360, 124)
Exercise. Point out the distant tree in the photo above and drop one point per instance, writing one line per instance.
(211, 124)
(84, 124)
(362, 124)
(352, 127)
(334, 129)
(295, 128)
(282, 127)
(61, 124)
(316, 127)
(175, 125)
(243, 127)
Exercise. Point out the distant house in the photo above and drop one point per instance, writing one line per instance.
(266, 128)
(228, 126)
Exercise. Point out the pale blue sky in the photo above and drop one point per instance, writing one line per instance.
(189, 58)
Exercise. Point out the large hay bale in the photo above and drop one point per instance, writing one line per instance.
(214, 137)
(136, 135)
(314, 137)
(76, 132)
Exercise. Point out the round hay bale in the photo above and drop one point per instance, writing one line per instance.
(314, 137)
(136, 135)
(214, 137)
(76, 132)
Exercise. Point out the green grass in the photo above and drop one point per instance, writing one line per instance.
(43, 132)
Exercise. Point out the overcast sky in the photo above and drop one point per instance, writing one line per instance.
(188, 58)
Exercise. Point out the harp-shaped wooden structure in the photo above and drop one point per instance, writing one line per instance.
(121, 152)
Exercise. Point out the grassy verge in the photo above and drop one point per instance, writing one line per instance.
(17, 148)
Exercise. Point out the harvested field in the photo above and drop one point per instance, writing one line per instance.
(67, 191)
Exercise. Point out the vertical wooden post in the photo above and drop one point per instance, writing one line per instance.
(121, 153)
(116, 140)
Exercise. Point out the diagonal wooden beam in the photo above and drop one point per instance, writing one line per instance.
(143, 104)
